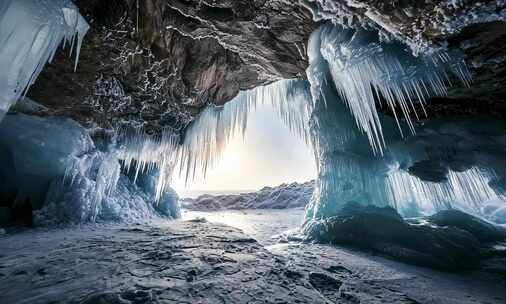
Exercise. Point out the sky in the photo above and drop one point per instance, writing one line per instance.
(268, 155)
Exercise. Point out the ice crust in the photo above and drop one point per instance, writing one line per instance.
(30, 33)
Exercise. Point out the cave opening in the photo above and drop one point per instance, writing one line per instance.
(219, 152)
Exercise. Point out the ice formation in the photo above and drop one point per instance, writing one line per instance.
(30, 33)
(205, 140)
(366, 70)
(360, 152)
(66, 177)
(458, 167)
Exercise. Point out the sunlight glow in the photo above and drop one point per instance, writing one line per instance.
(268, 155)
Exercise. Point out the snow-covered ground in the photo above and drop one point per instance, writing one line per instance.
(204, 261)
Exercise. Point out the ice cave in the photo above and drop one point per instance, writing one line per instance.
(381, 177)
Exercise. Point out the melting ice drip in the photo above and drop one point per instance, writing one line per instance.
(366, 70)
(30, 33)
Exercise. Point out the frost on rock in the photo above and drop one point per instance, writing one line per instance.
(419, 26)
(30, 33)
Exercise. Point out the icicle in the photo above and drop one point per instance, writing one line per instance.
(364, 68)
(466, 190)
(30, 32)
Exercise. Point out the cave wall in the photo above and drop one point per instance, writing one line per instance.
(157, 63)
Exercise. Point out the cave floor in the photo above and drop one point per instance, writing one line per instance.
(208, 262)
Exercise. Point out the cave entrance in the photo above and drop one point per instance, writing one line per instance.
(254, 147)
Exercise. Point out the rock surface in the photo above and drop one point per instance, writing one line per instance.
(449, 240)
(285, 196)
(157, 63)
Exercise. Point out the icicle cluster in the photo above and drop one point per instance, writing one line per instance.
(350, 72)
(142, 152)
(30, 33)
(205, 140)
(467, 190)
(366, 70)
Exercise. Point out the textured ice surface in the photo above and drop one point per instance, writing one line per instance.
(30, 33)
(38, 149)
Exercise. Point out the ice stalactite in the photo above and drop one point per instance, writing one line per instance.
(440, 165)
(52, 165)
(367, 70)
(30, 33)
(204, 141)
(140, 152)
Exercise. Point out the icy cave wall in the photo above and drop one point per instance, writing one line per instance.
(52, 168)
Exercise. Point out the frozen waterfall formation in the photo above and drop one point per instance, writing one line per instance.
(390, 160)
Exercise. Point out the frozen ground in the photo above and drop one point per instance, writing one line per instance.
(207, 262)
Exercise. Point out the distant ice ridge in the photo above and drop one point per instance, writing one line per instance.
(30, 33)
(367, 70)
